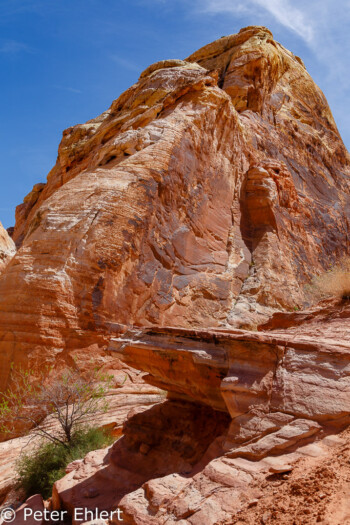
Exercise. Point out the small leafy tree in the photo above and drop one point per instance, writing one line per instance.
(69, 398)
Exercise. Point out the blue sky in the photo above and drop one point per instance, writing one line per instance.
(64, 61)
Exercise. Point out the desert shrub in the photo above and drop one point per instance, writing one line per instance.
(38, 470)
(335, 282)
(69, 398)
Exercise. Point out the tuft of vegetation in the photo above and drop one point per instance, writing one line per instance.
(38, 470)
(335, 282)
(69, 399)
(56, 408)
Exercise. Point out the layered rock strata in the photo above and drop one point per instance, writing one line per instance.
(240, 371)
(7, 248)
(304, 487)
(128, 393)
(280, 399)
(206, 195)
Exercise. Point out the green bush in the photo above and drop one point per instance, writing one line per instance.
(37, 471)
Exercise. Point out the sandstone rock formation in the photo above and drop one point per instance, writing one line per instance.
(170, 228)
(207, 194)
(7, 248)
(306, 486)
(128, 393)
(36, 505)
(281, 396)
(239, 371)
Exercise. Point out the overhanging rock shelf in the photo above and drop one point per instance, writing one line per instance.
(273, 381)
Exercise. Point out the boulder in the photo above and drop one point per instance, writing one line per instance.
(31, 512)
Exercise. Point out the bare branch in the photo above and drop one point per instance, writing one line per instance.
(68, 399)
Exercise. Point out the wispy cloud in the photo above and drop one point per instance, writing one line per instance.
(13, 47)
(126, 64)
(321, 24)
(68, 88)
(286, 13)
(15, 7)
(290, 16)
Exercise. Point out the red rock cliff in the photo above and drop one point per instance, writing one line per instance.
(208, 193)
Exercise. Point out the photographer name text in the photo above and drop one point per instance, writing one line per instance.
(78, 514)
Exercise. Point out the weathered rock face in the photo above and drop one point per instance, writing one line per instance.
(242, 371)
(281, 396)
(191, 201)
(7, 248)
(128, 394)
(304, 487)
(206, 196)
(291, 373)
(170, 439)
(285, 115)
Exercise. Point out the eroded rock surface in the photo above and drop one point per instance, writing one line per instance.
(206, 195)
(128, 393)
(7, 248)
(281, 401)
(195, 207)
(302, 372)
(160, 472)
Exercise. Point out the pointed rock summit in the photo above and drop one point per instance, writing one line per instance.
(207, 195)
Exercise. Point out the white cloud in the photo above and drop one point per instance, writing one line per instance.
(12, 47)
(289, 16)
(126, 64)
(322, 25)
(67, 88)
(283, 11)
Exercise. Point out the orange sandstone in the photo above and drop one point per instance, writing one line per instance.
(206, 195)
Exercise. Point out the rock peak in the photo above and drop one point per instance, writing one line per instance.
(208, 194)
(171, 226)
(256, 30)
(225, 43)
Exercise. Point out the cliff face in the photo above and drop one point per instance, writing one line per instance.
(7, 248)
(207, 194)
(198, 205)
(269, 453)
(302, 371)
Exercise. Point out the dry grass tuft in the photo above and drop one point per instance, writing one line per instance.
(333, 283)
